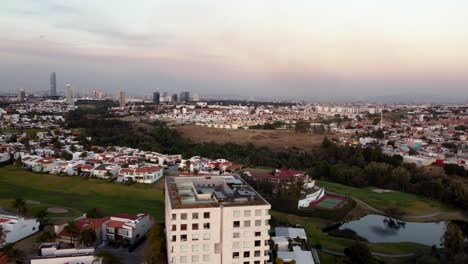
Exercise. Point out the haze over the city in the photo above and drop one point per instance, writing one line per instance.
(279, 49)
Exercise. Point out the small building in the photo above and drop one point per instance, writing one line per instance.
(16, 228)
(60, 253)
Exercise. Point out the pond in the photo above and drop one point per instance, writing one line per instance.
(379, 229)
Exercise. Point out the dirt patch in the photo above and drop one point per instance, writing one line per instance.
(274, 139)
(382, 190)
(57, 210)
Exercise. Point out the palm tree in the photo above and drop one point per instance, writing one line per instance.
(72, 230)
(88, 237)
(43, 217)
(20, 206)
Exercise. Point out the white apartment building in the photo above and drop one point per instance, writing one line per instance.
(215, 219)
(60, 253)
(16, 228)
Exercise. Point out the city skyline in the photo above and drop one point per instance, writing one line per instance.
(304, 49)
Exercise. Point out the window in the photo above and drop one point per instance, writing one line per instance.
(206, 215)
(236, 235)
(257, 253)
(235, 255)
(183, 237)
(195, 237)
(183, 216)
(267, 222)
(235, 245)
(183, 227)
(246, 254)
(174, 238)
(247, 213)
(206, 236)
(206, 247)
(267, 212)
(183, 259)
(174, 227)
(247, 223)
(195, 248)
(247, 233)
(194, 226)
(247, 244)
(257, 234)
(195, 258)
(258, 222)
(183, 248)
(236, 224)
(194, 215)
(258, 212)
(257, 262)
(236, 213)
(174, 217)
(206, 258)
(206, 226)
(258, 243)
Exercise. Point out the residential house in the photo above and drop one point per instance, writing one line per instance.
(17, 227)
(62, 253)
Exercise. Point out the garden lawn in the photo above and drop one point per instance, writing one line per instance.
(411, 204)
(80, 194)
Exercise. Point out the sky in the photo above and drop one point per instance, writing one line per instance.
(297, 49)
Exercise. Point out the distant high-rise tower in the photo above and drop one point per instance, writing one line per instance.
(156, 98)
(53, 84)
(174, 98)
(21, 95)
(70, 99)
(122, 99)
(185, 97)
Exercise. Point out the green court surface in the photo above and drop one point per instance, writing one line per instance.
(329, 203)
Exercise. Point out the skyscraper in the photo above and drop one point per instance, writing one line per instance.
(70, 99)
(185, 97)
(53, 84)
(174, 98)
(122, 99)
(156, 98)
(22, 95)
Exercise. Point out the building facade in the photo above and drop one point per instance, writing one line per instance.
(70, 99)
(215, 219)
(16, 228)
(53, 84)
(156, 98)
(60, 253)
(185, 97)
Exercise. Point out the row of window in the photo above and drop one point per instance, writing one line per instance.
(248, 213)
(246, 244)
(195, 237)
(195, 216)
(247, 223)
(246, 234)
(195, 259)
(183, 227)
(257, 253)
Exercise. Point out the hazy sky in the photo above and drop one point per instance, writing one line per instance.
(302, 49)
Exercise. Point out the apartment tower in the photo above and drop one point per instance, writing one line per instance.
(215, 219)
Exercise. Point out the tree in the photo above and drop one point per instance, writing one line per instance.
(12, 252)
(155, 250)
(73, 231)
(453, 240)
(2, 235)
(46, 236)
(20, 205)
(358, 253)
(108, 258)
(42, 216)
(302, 126)
(401, 178)
(88, 237)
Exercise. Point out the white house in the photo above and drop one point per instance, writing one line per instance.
(60, 253)
(17, 228)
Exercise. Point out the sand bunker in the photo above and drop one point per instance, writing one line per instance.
(57, 210)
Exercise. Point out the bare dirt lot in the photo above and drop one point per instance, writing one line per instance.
(274, 139)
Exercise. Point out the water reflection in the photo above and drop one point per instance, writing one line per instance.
(381, 229)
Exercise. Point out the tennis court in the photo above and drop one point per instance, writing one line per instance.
(329, 203)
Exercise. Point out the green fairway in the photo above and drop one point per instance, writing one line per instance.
(79, 194)
(410, 203)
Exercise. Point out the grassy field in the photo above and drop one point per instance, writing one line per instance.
(410, 203)
(315, 235)
(79, 194)
(274, 139)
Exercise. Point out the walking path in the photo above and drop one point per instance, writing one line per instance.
(377, 254)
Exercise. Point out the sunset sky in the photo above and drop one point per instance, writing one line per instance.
(309, 49)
